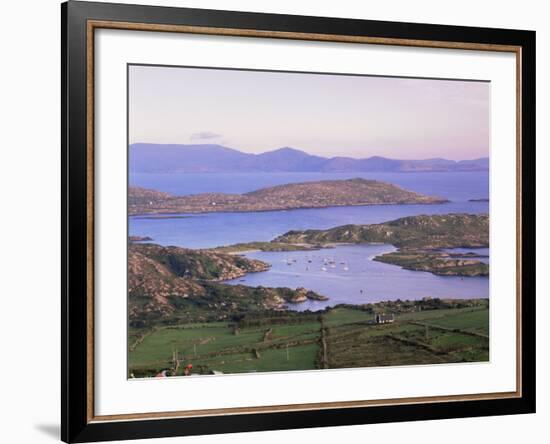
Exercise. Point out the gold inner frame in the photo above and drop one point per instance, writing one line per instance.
(92, 25)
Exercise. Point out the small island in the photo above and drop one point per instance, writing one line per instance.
(320, 194)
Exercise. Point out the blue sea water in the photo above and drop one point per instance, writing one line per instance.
(348, 274)
(378, 281)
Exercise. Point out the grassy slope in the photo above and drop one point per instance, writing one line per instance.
(197, 264)
(352, 341)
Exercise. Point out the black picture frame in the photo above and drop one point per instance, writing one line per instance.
(76, 423)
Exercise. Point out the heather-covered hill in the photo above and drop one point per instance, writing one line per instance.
(171, 284)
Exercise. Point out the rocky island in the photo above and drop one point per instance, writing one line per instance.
(320, 194)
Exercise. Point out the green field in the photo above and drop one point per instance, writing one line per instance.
(342, 337)
(475, 321)
(434, 336)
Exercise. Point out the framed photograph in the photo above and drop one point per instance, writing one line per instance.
(275, 221)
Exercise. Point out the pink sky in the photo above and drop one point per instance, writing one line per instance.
(327, 115)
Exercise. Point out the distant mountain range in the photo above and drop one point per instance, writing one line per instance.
(163, 158)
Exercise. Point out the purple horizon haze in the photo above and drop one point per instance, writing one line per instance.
(326, 115)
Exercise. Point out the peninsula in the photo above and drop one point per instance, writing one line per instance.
(319, 194)
(173, 284)
(413, 232)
